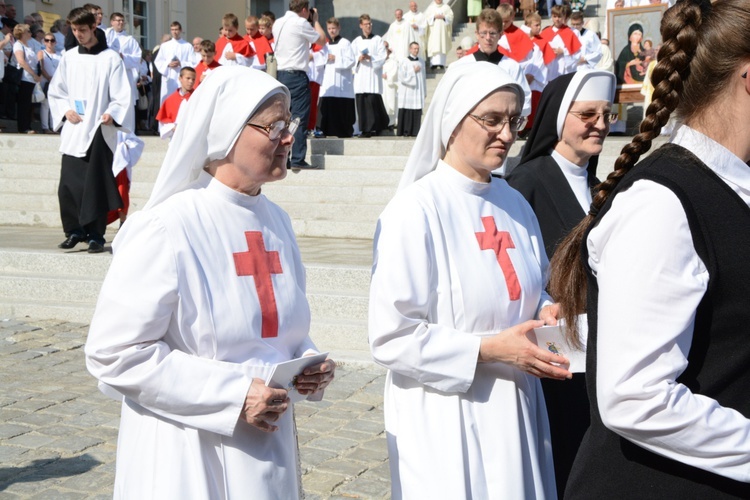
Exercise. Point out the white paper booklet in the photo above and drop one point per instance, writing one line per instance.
(284, 375)
(552, 338)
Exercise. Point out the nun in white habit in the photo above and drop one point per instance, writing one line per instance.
(206, 292)
(458, 278)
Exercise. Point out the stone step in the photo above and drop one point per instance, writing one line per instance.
(51, 284)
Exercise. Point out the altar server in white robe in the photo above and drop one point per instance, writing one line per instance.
(370, 54)
(337, 111)
(458, 277)
(90, 95)
(172, 56)
(412, 92)
(205, 293)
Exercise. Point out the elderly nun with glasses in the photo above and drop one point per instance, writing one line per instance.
(458, 279)
(205, 294)
(557, 175)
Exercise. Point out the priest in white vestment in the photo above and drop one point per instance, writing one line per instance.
(172, 56)
(399, 35)
(439, 18)
(205, 294)
(458, 277)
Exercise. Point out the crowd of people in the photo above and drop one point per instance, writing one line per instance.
(645, 270)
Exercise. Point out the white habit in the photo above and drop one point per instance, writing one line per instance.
(457, 429)
(185, 372)
(180, 50)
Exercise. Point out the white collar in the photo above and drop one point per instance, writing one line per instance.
(723, 162)
(568, 167)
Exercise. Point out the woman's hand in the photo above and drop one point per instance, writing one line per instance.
(316, 378)
(513, 347)
(549, 314)
(264, 405)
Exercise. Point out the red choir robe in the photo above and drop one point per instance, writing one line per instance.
(201, 68)
(547, 52)
(239, 46)
(261, 45)
(520, 43)
(569, 38)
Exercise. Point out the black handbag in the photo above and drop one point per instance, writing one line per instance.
(13, 75)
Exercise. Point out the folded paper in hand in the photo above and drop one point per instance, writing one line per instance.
(284, 375)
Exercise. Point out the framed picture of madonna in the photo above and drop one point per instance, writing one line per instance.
(634, 39)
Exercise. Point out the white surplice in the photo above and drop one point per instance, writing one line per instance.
(173, 49)
(412, 84)
(177, 331)
(457, 429)
(338, 80)
(368, 75)
(92, 84)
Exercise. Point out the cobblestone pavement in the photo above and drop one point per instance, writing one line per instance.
(58, 433)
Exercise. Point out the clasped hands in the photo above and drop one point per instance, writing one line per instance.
(265, 405)
(513, 347)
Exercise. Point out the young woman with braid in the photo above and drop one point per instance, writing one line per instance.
(662, 264)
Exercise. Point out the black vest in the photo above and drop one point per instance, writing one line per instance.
(611, 467)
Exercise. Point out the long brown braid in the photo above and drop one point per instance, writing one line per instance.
(680, 34)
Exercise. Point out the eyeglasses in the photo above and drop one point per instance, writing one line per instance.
(50, 40)
(590, 118)
(276, 129)
(491, 34)
(495, 124)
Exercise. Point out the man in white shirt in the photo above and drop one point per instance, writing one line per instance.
(173, 55)
(90, 97)
(293, 34)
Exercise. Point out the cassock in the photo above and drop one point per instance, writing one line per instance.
(315, 71)
(504, 61)
(239, 45)
(169, 111)
(202, 69)
(562, 38)
(184, 266)
(92, 82)
(179, 50)
(337, 90)
(399, 36)
(412, 91)
(368, 83)
(457, 429)
(439, 35)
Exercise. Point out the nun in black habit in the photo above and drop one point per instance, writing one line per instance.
(557, 175)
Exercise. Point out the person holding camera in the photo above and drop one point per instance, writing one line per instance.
(294, 33)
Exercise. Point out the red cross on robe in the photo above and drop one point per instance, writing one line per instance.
(260, 264)
(499, 242)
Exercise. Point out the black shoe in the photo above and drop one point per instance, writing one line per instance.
(71, 241)
(304, 166)
(95, 247)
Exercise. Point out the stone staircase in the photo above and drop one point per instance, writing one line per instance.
(333, 212)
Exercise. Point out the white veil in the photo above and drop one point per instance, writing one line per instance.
(463, 86)
(210, 125)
